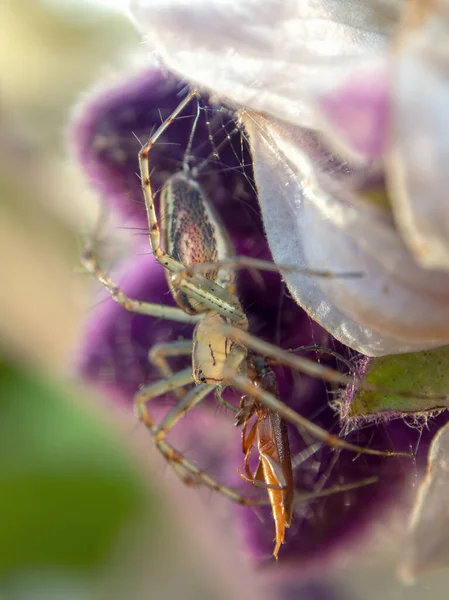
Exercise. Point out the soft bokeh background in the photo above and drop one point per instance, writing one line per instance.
(84, 512)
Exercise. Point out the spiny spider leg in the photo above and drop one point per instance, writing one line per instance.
(308, 367)
(244, 385)
(248, 262)
(192, 475)
(185, 469)
(154, 232)
(171, 313)
(159, 354)
(335, 489)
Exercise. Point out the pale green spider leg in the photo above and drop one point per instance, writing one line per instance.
(171, 313)
(308, 367)
(154, 232)
(184, 468)
(245, 386)
(248, 262)
(161, 352)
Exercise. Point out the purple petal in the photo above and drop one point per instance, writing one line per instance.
(356, 113)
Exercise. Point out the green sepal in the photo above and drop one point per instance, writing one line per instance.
(421, 372)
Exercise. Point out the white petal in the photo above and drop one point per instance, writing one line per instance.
(310, 222)
(420, 140)
(265, 54)
(427, 546)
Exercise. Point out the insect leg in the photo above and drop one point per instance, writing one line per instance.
(248, 439)
(248, 442)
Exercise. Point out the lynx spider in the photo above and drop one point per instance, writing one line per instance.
(205, 294)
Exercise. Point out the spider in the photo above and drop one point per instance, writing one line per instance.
(194, 249)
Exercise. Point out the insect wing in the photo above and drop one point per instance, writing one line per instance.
(274, 451)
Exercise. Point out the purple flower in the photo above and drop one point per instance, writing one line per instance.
(115, 343)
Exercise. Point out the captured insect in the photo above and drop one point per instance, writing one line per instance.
(274, 470)
(189, 233)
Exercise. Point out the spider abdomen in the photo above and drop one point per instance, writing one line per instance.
(193, 233)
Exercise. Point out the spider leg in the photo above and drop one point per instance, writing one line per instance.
(172, 313)
(159, 354)
(288, 414)
(248, 262)
(154, 231)
(192, 475)
(185, 469)
(154, 390)
(193, 397)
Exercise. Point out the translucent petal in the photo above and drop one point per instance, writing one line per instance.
(420, 139)
(265, 54)
(427, 546)
(314, 220)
